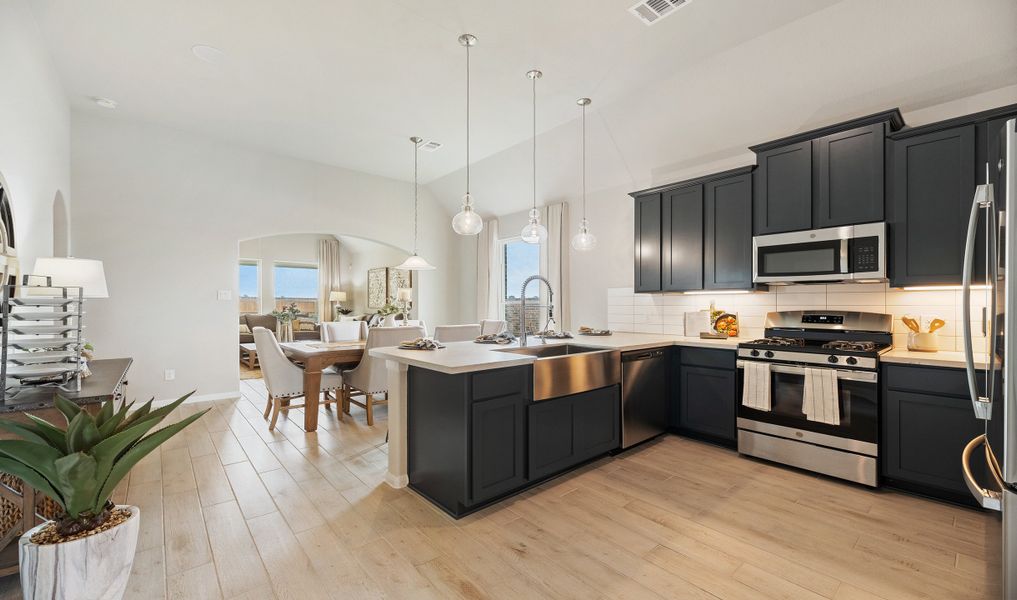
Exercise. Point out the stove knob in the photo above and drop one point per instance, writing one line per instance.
(754, 353)
(852, 360)
(769, 354)
(832, 359)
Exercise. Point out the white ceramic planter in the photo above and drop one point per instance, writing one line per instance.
(96, 567)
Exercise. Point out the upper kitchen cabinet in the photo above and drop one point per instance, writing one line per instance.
(648, 243)
(696, 234)
(932, 172)
(823, 178)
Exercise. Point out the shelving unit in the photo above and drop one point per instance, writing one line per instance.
(41, 331)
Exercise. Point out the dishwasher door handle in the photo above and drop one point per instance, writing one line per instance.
(643, 356)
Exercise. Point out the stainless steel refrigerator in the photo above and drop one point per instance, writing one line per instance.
(993, 382)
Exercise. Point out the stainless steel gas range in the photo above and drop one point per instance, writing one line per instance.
(837, 349)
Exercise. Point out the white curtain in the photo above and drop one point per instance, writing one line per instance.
(556, 264)
(329, 269)
(488, 272)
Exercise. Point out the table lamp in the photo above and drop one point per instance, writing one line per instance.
(336, 297)
(85, 273)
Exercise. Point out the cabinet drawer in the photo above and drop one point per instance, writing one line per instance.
(718, 359)
(936, 380)
(502, 382)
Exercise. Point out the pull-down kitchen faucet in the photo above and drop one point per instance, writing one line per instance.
(522, 309)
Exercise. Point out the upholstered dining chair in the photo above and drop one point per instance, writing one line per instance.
(284, 379)
(414, 323)
(456, 333)
(343, 331)
(370, 377)
(492, 326)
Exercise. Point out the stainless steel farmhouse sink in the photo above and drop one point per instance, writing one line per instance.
(563, 369)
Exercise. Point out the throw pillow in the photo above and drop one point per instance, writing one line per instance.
(244, 328)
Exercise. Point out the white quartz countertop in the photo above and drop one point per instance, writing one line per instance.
(465, 357)
(930, 359)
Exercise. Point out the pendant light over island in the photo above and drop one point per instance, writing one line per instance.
(584, 240)
(467, 221)
(533, 232)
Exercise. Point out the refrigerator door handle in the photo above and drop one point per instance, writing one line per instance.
(986, 498)
(981, 404)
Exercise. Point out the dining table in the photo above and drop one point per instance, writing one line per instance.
(316, 357)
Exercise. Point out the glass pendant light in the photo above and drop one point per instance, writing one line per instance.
(415, 262)
(467, 221)
(584, 240)
(534, 232)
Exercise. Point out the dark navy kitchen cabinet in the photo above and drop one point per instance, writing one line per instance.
(849, 177)
(648, 243)
(708, 395)
(498, 446)
(783, 189)
(572, 429)
(926, 422)
(932, 186)
(727, 227)
(682, 244)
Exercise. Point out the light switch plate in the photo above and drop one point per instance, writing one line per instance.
(171, 374)
(224, 295)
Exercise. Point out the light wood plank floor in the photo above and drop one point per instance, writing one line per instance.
(230, 510)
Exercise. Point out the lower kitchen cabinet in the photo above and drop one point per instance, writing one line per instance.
(927, 420)
(566, 431)
(708, 395)
(498, 432)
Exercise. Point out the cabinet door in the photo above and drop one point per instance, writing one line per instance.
(552, 439)
(498, 439)
(682, 240)
(707, 402)
(783, 189)
(728, 231)
(647, 238)
(924, 436)
(849, 175)
(932, 186)
(596, 423)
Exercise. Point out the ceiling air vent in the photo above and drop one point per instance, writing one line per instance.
(651, 11)
(430, 146)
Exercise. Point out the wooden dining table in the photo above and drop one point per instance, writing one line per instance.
(317, 356)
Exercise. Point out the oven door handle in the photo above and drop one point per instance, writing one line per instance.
(866, 376)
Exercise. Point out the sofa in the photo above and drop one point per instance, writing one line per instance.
(269, 322)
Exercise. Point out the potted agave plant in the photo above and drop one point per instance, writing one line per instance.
(87, 552)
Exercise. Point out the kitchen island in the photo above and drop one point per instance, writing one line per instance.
(485, 432)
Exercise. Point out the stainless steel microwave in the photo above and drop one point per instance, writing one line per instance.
(837, 254)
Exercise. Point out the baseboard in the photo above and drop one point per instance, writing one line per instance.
(201, 398)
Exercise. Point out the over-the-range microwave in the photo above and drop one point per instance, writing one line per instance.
(837, 254)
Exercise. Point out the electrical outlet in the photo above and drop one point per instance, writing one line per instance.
(224, 294)
(171, 374)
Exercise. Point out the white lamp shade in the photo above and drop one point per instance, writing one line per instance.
(416, 263)
(337, 296)
(85, 273)
(404, 294)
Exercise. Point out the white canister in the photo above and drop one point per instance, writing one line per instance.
(923, 342)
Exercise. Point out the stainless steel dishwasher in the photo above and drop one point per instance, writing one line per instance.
(644, 395)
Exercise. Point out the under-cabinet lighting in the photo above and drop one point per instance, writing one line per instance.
(716, 292)
(940, 288)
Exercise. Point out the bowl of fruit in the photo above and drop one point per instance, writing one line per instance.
(726, 324)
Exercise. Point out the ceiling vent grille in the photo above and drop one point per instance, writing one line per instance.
(430, 146)
(652, 11)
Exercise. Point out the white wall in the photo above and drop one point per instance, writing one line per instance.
(34, 132)
(294, 247)
(165, 211)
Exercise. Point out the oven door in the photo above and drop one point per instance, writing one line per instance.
(858, 392)
(789, 257)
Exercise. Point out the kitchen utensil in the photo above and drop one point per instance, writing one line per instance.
(911, 323)
(936, 324)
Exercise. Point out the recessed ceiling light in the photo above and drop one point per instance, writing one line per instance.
(104, 102)
(209, 54)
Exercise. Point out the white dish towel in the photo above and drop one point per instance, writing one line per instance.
(821, 401)
(756, 386)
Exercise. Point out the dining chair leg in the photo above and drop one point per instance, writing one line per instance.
(369, 404)
(346, 398)
(268, 406)
(276, 406)
(326, 402)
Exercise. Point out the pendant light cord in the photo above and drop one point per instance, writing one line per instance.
(416, 147)
(534, 142)
(584, 162)
(467, 119)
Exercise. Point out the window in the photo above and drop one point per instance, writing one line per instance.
(521, 260)
(250, 287)
(298, 283)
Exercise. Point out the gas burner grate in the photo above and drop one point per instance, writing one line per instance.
(851, 346)
(779, 341)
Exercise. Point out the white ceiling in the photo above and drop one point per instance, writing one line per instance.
(347, 82)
